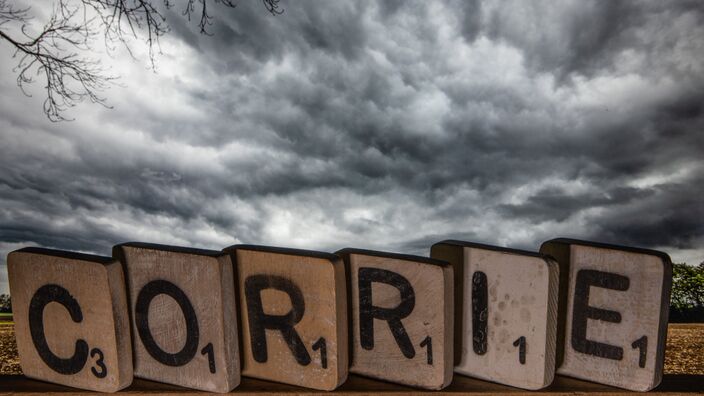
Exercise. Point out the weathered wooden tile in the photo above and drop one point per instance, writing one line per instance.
(614, 312)
(508, 313)
(184, 318)
(294, 315)
(401, 318)
(71, 318)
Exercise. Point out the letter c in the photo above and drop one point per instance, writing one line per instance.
(42, 297)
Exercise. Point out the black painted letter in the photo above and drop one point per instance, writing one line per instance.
(368, 312)
(583, 311)
(43, 296)
(259, 321)
(480, 312)
(141, 316)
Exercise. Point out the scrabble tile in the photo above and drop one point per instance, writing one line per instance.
(293, 314)
(71, 318)
(184, 318)
(401, 320)
(508, 313)
(615, 312)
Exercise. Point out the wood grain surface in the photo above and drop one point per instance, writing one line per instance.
(616, 313)
(293, 316)
(413, 345)
(509, 314)
(71, 321)
(671, 385)
(183, 310)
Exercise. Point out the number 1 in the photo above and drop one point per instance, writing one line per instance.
(642, 345)
(208, 349)
(428, 342)
(320, 344)
(521, 344)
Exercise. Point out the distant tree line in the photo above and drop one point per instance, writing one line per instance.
(686, 303)
(5, 303)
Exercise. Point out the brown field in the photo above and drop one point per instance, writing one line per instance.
(685, 349)
(9, 363)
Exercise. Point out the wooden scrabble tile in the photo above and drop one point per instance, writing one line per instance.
(615, 312)
(401, 320)
(184, 317)
(71, 319)
(508, 313)
(294, 315)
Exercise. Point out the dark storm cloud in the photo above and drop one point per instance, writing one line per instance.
(671, 217)
(386, 125)
(558, 205)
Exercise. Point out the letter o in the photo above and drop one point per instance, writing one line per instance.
(144, 299)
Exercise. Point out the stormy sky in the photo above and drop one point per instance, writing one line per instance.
(385, 125)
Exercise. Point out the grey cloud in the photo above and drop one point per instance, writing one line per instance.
(386, 125)
(671, 217)
(471, 21)
(558, 205)
(587, 37)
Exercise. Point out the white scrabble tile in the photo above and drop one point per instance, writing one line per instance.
(616, 312)
(508, 313)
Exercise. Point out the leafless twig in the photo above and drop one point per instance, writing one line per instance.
(53, 54)
(58, 51)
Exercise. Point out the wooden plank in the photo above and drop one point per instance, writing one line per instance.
(616, 314)
(183, 315)
(509, 313)
(71, 320)
(401, 317)
(671, 385)
(293, 315)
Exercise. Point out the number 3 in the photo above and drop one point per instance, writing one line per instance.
(103, 370)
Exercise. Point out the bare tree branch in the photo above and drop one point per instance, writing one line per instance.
(69, 78)
(273, 7)
(58, 51)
